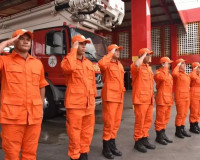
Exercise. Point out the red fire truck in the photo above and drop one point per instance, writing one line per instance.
(52, 42)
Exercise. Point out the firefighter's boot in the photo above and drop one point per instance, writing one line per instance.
(106, 150)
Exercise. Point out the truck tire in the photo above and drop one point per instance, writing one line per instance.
(50, 108)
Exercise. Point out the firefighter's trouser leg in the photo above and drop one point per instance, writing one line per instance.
(182, 108)
(143, 120)
(194, 110)
(24, 138)
(112, 114)
(163, 113)
(80, 129)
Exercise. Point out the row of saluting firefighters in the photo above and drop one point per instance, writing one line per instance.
(23, 90)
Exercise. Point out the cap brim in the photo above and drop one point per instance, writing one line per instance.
(85, 40)
(181, 61)
(120, 48)
(196, 66)
(150, 52)
(28, 32)
(170, 61)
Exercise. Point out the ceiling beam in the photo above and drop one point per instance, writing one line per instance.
(177, 21)
(166, 10)
(10, 3)
(158, 5)
(162, 14)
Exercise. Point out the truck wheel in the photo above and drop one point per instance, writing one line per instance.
(50, 108)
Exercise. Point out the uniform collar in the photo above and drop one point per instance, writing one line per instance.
(145, 64)
(83, 58)
(17, 55)
(114, 62)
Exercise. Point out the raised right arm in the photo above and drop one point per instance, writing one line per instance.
(103, 63)
(7, 43)
(68, 64)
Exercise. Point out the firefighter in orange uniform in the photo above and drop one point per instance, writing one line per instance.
(143, 99)
(164, 99)
(79, 98)
(112, 96)
(195, 98)
(2, 54)
(182, 97)
(22, 93)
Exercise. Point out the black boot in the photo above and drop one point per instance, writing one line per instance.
(113, 148)
(193, 128)
(106, 150)
(197, 125)
(183, 131)
(139, 146)
(83, 156)
(146, 143)
(166, 138)
(178, 132)
(160, 138)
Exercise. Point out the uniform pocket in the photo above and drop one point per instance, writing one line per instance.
(14, 73)
(167, 98)
(183, 94)
(36, 77)
(196, 94)
(12, 108)
(145, 74)
(78, 73)
(144, 96)
(90, 72)
(37, 108)
(114, 71)
(76, 96)
(114, 94)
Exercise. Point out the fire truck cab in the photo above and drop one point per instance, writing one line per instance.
(52, 40)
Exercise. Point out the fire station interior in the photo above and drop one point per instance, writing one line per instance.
(165, 22)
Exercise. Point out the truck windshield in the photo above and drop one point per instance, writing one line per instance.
(96, 49)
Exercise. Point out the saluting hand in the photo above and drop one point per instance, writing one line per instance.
(10, 41)
(75, 44)
(113, 50)
(7, 43)
(179, 64)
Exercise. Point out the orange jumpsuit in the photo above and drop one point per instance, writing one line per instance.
(21, 105)
(164, 97)
(2, 54)
(79, 102)
(112, 95)
(194, 96)
(143, 99)
(182, 95)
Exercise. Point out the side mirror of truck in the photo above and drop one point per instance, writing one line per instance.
(55, 43)
(58, 43)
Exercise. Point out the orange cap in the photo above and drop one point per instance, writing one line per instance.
(80, 38)
(145, 50)
(165, 59)
(112, 46)
(180, 60)
(22, 32)
(195, 64)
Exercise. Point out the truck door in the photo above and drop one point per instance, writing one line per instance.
(50, 46)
